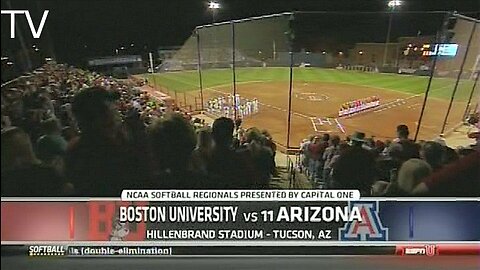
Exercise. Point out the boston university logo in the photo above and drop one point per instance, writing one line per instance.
(369, 229)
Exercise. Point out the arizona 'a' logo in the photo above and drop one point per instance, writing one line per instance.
(369, 229)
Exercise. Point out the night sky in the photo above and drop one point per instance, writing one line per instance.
(77, 29)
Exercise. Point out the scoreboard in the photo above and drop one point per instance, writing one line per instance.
(440, 50)
(241, 222)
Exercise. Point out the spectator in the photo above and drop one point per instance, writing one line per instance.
(201, 153)
(474, 121)
(403, 147)
(100, 162)
(51, 144)
(261, 157)
(305, 153)
(22, 173)
(328, 155)
(460, 178)
(410, 176)
(358, 140)
(449, 156)
(432, 153)
(402, 133)
(238, 134)
(226, 167)
(379, 147)
(315, 150)
(379, 188)
(69, 133)
(370, 145)
(6, 123)
(173, 140)
(51, 147)
(354, 169)
(342, 147)
(268, 141)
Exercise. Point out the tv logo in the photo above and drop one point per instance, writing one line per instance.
(429, 250)
(35, 32)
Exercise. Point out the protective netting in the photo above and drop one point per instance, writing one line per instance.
(306, 73)
(453, 78)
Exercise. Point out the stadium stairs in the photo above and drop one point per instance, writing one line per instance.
(288, 176)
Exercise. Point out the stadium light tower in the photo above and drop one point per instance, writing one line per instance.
(392, 5)
(214, 7)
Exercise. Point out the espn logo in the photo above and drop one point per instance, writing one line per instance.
(428, 250)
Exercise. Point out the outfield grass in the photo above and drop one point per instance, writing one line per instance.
(188, 80)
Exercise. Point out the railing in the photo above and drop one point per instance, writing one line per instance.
(292, 166)
(13, 81)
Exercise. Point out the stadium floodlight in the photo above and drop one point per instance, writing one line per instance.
(213, 5)
(394, 3)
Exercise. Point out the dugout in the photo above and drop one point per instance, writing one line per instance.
(120, 66)
(302, 65)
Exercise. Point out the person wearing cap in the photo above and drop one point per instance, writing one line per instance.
(100, 161)
(358, 140)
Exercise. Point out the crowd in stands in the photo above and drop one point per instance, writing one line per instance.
(400, 167)
(70, 132)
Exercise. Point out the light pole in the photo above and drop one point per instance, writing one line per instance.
(392, 5)
(213, 6)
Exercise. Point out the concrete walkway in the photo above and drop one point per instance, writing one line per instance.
(458, 138)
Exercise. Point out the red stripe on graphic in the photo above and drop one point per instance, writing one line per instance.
(72, 222)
